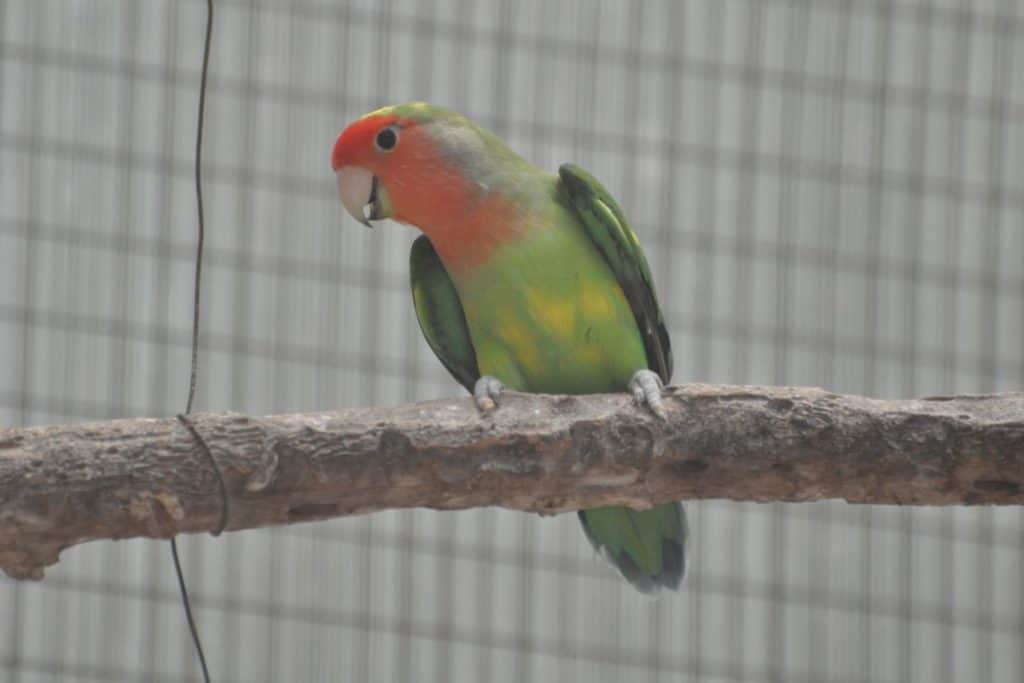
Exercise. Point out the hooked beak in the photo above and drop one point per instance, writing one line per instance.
(363, 196)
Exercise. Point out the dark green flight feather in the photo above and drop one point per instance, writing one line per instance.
(439, 311)
(610, 232)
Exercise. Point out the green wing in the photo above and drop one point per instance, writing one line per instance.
(647, 546)
(610, 232)
(440, 314)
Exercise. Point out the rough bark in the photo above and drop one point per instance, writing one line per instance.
(150, 477)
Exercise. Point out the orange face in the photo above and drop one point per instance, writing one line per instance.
(363, 152)
(369, 141)
(390, 167)
(393, 166)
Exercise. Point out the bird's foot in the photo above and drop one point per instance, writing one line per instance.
(646, 388)
(486, 392)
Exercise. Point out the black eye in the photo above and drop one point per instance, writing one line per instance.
(386, 139)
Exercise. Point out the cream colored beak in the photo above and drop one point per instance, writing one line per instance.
(355, 188)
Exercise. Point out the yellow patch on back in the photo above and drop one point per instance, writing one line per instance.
(515, 335)
(555, 315)
(595, 304)
(591, 354)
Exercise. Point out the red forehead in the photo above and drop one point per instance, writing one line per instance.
(357, 140)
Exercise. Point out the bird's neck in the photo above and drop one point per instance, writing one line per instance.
(466, 222)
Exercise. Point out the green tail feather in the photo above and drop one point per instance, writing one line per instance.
(647, 546)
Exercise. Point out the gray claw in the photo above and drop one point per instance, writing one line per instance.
(486, 392)
(646, 387)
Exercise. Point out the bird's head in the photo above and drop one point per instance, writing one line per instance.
(394, 162)
(421, 164)
(436, 170)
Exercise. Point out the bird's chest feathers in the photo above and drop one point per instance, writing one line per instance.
(551, 320)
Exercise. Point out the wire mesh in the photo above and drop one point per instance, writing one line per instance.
(830, 193)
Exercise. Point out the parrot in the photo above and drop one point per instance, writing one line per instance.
(521, 279)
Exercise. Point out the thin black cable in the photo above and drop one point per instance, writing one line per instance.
(195, 336)
(225, 507)
(188, 611)
(199, 207)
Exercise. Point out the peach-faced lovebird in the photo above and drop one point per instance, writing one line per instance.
(521, 279)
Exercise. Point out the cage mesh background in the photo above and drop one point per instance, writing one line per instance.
(830, 193)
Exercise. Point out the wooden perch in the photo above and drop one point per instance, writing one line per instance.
(150, 477)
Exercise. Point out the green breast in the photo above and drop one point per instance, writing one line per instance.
(545, 314)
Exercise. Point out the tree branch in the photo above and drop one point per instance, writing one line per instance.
(150, 477)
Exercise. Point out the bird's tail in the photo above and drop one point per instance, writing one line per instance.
(647, 546)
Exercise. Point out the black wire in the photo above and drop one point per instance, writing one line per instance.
(199, 205)
(225, 508)
(195, 323)
(188, 611)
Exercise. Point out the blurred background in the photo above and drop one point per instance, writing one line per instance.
(830, 194)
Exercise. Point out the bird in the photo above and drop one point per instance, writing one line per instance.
(521, 279)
